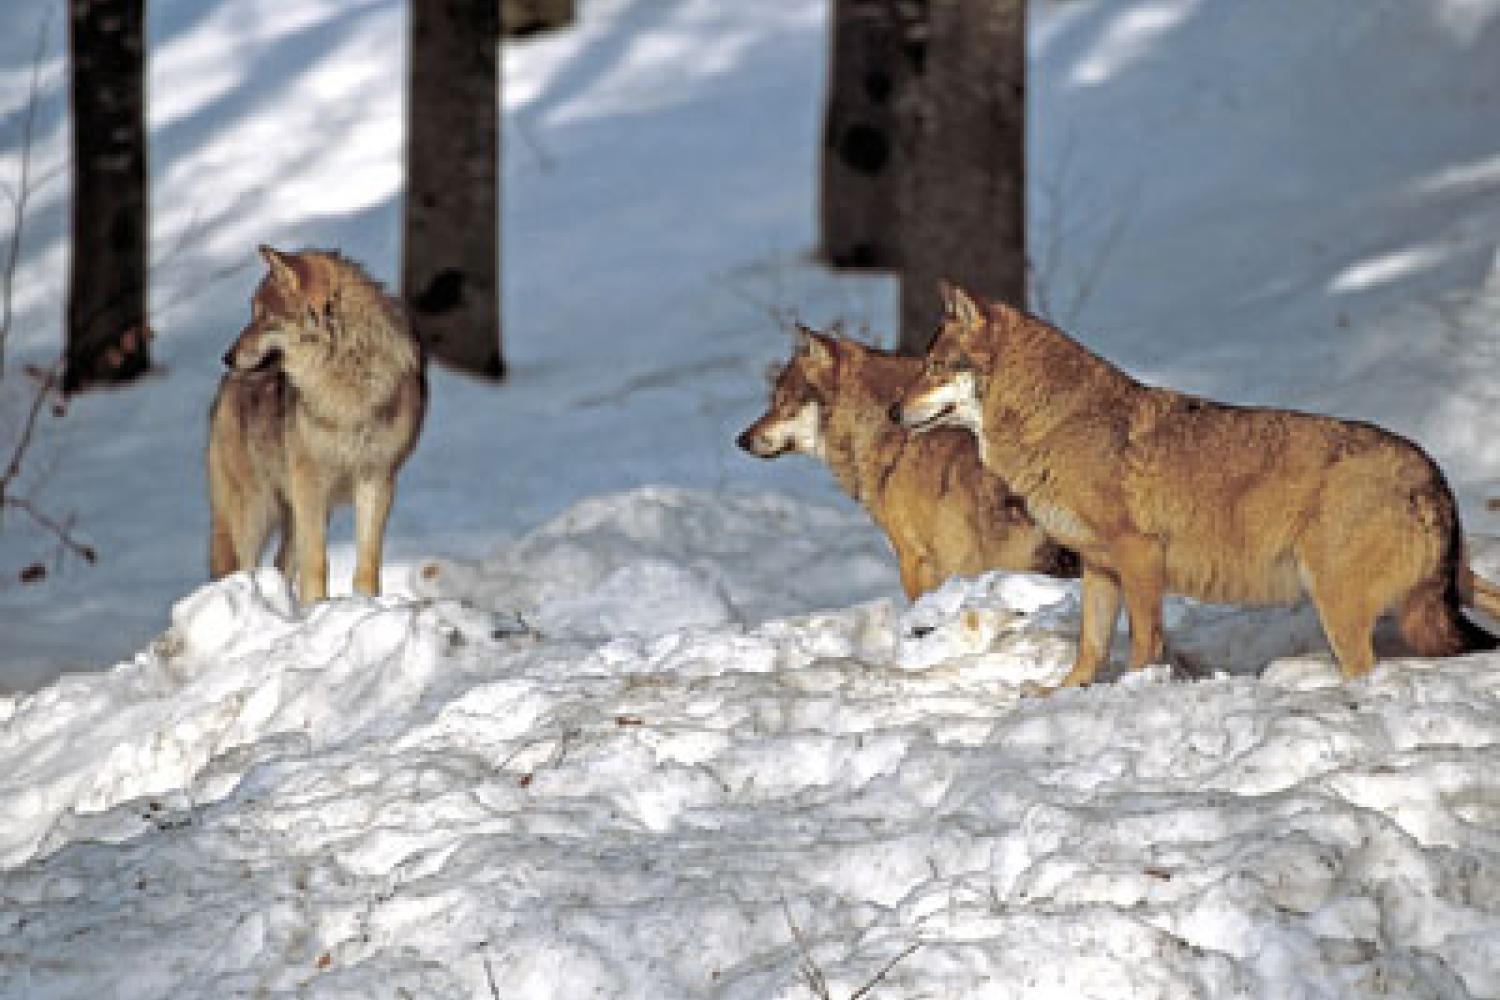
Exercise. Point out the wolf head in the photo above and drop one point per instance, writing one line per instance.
(950, 389)
(292, 317)
(800, 396)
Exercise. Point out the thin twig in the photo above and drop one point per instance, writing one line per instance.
(887, 967)
(62, 530)
(22, 192)
(545, 161)
(1052, 190)
(47, 381)
(809, 966)
(1088, 279)
(816, 981)
(1043, 272)
(489, 975)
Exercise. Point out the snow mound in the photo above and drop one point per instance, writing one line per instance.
(418, 796)
(238, 668)
(658, 558)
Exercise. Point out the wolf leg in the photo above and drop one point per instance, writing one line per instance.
(1348, 616)
(242, 528)
(918, 576)
(1101, 606)
(238, 521)
(222, 558)
(286, 546)
(372, 508)
(1143, 578)
(308, 529)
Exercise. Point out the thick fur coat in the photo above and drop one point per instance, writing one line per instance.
(1160, 491)
(322, 404)
(943, 513)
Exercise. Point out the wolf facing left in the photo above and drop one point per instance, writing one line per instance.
(322, 403)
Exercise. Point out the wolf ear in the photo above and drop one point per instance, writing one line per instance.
(820, 348)
(960, 306)
(283, 272)
(802, 335)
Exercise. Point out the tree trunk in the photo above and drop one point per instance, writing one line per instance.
(451, 245)
(963, 210)
(107, 331)
(872, 48)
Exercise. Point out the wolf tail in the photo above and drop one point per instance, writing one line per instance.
(1432, 623)
(1431, 617)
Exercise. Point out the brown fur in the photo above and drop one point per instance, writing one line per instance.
(322, 404)
(1160, 491)
(943, 513)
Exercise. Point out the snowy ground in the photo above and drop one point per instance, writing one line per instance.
(642, 717)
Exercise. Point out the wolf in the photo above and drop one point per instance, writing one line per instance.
(943, 513)
(323, 402)
(1161, 491)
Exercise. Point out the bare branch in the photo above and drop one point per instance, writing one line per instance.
(47, 381)
(22, 192)
(809, 966)
(62, 530)
(813, 975)
(1094, 269)
(887, 967)
(1044, 273)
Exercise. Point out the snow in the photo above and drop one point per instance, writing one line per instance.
(639, 716)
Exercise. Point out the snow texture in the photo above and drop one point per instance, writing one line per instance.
(641, 717)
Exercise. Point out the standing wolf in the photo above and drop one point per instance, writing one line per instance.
(323, 402)
(1160, 491)
(943, 513)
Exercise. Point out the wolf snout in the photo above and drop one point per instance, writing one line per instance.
(746, 440)
(895, 414)
(236, 360)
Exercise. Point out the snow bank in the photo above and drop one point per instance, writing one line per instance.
(427, 794)
(661, 557)
(689, 742)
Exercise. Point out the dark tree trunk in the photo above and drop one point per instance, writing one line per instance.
(451, 247)
(963, 210)
(874, 46)
(519, 18)
(108, 333)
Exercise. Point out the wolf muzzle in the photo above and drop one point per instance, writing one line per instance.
(752, 443)
(266, 362)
